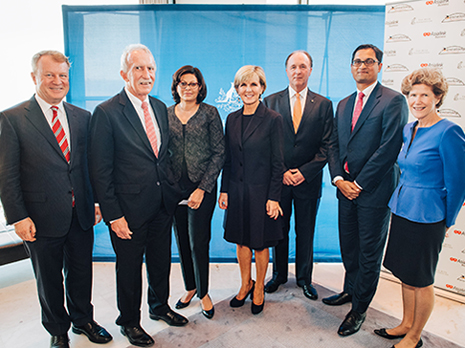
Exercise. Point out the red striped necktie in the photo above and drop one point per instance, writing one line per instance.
(150, 129)
(60, 134)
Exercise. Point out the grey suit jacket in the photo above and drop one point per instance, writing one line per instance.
(202, 147)
(36, 181)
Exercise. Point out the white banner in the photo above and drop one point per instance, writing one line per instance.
(431, 33)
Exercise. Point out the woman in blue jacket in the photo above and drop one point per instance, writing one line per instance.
(426, 202)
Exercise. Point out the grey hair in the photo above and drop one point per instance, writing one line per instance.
(128, 50)
(56, 55)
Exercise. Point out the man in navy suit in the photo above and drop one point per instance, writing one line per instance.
(366, 139)
(137, 192)
(47, 196)
(308, 122)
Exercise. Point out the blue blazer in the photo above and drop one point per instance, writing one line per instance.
(372, 147)
(431, 187)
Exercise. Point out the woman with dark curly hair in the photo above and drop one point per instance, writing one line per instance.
(426, 202)
(197, 156)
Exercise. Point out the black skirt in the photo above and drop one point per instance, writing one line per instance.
(413, 250)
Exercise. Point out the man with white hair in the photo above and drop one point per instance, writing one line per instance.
(137, 192)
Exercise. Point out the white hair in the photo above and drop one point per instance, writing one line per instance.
(128, 50)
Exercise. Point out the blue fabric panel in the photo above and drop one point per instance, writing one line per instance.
(219, 39)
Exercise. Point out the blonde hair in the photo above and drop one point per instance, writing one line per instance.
(430, 77)
(245, 74)
(56, 55)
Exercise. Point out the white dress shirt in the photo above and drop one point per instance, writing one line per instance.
(293, 97)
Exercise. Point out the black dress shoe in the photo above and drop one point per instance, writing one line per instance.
(352, 323)
(337, 300)
(272, 285)
(60, 341)
(94, 332)
(310, 292)
(171, 318)
(235, 302)
(384, 334)
(181, 305)
(137, 336)
(208, 314)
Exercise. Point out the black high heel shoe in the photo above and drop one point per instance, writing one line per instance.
(181, 305)
(210, 313)
(235, 302)
(257, 309)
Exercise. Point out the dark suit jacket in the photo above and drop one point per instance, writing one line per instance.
(36, 181)
(371, 149)
(252, 175)
(306, 150)
(128, 179)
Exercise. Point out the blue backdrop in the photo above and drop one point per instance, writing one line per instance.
(219, 39)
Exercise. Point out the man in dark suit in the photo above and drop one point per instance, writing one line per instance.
(366, 139)
(308, 122)
(47, 196)
(136, 191)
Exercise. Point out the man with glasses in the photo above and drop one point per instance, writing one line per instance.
(367, 136)
(137, 192)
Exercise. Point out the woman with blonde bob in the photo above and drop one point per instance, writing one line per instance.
(251, 183)
(426, 202)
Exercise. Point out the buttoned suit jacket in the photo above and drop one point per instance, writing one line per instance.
(371, 149)
(128, 179)
(307, 149)
(36, 180)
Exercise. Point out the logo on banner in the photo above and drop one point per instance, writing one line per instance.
(455, 288)
(394, 23)
(447, 246)
(461, 278)
(460, 233)
(435, 34)
(462, 33)
(453, 81)
(400, 8)
(459, 97)
(388, 82)
(390, 53)
(442, 272)
(432, 65)
(449, 113)
(453, 50)
(437, 2)
(461, 65)
(229, 101)
(454, 17)
(415, 51)
(395, 68)
(416, 20)
(398, 38)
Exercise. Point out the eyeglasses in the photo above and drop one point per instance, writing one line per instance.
(368, 62)
(192, 85)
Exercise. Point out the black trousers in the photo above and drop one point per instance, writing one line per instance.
(192, 229)
(362, 236)
(305, 210)
(152, 239)
(70, 255)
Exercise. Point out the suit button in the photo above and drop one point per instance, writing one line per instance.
(240, 164)
(158, 183)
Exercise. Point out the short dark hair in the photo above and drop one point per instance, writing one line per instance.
(189, 69)
(378, 52)
(300, 51)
